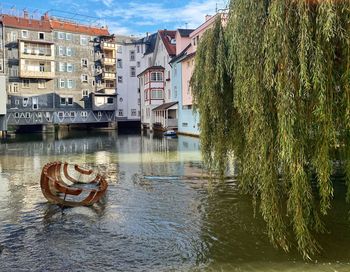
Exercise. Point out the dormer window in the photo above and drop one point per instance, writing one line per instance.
(173, 41)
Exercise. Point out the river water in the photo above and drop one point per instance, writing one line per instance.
(160, 213)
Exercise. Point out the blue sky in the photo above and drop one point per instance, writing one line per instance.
(133, 17)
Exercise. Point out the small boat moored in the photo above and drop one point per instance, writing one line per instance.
(171, 133)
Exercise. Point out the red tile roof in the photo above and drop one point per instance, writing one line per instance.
(26, 23)
(167, 36)
(77, 28)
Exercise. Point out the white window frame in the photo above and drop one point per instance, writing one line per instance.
(62, 83)
(133, 112)
(85, 93)
(132, 71)
(43, 36)
(119, 63)
(61, 35)
(84, 40)
(69, 51)
(61, 50)
(84, 78)
(25, 36)
(25, 101)
(132, 55)
(84, 62)
(70, 83)
(70, 36)
(69, 67)
(158, 76)
(41, 84)
(62, 67)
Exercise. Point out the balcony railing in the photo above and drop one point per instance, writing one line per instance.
(107, 75)
(108, 46)
(29, 50)
(108, 61)
(36, 72)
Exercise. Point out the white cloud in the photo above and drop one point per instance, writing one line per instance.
(191, 14)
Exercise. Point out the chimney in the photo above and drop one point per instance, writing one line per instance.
(207, 17)
(25, 14)
(45, 17)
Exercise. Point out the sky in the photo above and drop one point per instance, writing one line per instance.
(122, 17)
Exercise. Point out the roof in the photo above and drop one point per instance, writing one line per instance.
(26, 23)
(152, 68)
(165, 106)
(182, 54)
(185, 32)
(78, 28)
(189, 56)
(150, 42)
(167, 36)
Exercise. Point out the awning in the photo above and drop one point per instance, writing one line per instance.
(165, 106)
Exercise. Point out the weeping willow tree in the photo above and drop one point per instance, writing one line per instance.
(273, 88)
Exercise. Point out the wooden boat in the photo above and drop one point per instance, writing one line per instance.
(61, 187)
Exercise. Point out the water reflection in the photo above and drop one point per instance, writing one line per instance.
(159, 214)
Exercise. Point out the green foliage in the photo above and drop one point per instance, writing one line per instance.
(273, 88)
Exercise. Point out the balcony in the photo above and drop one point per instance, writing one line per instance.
(108, 61)
(108, 46)
(36, 50)
(37, 69)
(108, 75)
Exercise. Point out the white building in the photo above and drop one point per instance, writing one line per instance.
(132, 58)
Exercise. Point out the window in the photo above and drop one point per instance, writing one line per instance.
(99, 114)
(120, 79)
(69, 67)
(84, 78)
(16, 102)
(61, 50)
(132, 55)
(69, 51)
(138, 64)
(83, 40)
(69, 83)
(84, 63)
(157, 76)
(120, 112)
(41, 35)
(25, 101)
(119, 49)
(13, 37)
(25, 83)
(133, 71)
(61, 113)
(85, 93)
(41, 84)
(61, 83)
(13, 88)
(68, 36)
(139, 101)
(42, 67)
(110, 100)
(119, 63)
(138, 49)
(72, 114)
(70, 101)
(84, 114)
(62, 67)
(61, 35)
(157, 94)
(25, 34)
(133, 112)
(14, 71)
(175, 92)
(185, 124)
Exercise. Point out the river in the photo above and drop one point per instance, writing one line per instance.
(161, 213)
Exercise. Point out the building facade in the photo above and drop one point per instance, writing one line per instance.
(52, 72)
(130, 52)
(189, 120)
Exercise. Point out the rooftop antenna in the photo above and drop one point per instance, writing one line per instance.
(186, 25)
(216, 7)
